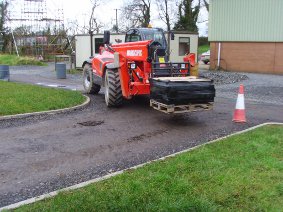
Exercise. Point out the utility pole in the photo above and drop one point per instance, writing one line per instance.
(117, 29)
(91, 42)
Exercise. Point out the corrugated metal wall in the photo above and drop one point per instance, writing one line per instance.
(246, 20)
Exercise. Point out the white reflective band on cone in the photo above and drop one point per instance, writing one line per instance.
(240, 102)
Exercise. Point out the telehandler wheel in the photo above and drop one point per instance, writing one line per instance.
(113, 91)
(89, 86)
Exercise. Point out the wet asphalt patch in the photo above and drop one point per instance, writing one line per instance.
(146, 136)
(91, 123)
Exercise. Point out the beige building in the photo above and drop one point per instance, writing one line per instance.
(246, 35)
(183, 43)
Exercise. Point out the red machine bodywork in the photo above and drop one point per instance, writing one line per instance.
(137, 52)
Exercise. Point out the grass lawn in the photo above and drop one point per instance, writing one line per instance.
(18, 98)
(202, 49)
(241, 173)
(14, 60)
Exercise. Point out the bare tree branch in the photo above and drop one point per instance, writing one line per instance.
(167, 10)
(94, 24)
(206, 4)
(135, 13)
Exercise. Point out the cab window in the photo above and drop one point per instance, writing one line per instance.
(155, 35)
(133, 36)
(158, 37)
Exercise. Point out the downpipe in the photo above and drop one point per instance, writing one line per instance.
(218, 56)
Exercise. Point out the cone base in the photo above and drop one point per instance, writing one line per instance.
(239, 116)
(239, 121)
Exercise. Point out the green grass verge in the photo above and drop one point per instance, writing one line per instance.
(14, 60)
(18, 98)
(202, 49)
(241, 173)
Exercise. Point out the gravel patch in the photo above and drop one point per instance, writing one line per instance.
(223, 77)
(259, 88)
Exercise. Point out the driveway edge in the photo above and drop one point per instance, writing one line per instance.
(86, 183)
(25, 115)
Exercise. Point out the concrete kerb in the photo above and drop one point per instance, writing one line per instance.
(86, 183)
(25, 115)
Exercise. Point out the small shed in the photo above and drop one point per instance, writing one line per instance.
(184, 42)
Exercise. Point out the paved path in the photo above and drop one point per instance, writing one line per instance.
(42, 154)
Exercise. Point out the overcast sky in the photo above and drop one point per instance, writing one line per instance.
(80, 10)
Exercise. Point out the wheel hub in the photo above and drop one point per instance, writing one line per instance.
(87, 80)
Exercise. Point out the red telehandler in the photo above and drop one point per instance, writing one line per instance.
(140, 66)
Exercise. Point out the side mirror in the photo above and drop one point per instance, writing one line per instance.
(106, 37)
(172, 36)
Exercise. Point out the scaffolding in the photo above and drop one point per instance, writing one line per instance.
(38, 27)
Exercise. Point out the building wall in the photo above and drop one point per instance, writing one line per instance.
(246, 20)
(259, 57)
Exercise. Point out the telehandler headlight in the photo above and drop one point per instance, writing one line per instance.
(132, 66)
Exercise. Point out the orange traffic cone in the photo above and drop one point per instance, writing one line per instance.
(240, 113)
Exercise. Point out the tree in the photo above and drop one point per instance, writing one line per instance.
(94, 24)
(166, 14)
(6, 35)
(206, 4)
(137, 14)
(187, 16)
(23, 30)
(145, 11)
(3, 14)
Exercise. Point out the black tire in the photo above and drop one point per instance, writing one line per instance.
(89, 86)
(113, 91)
